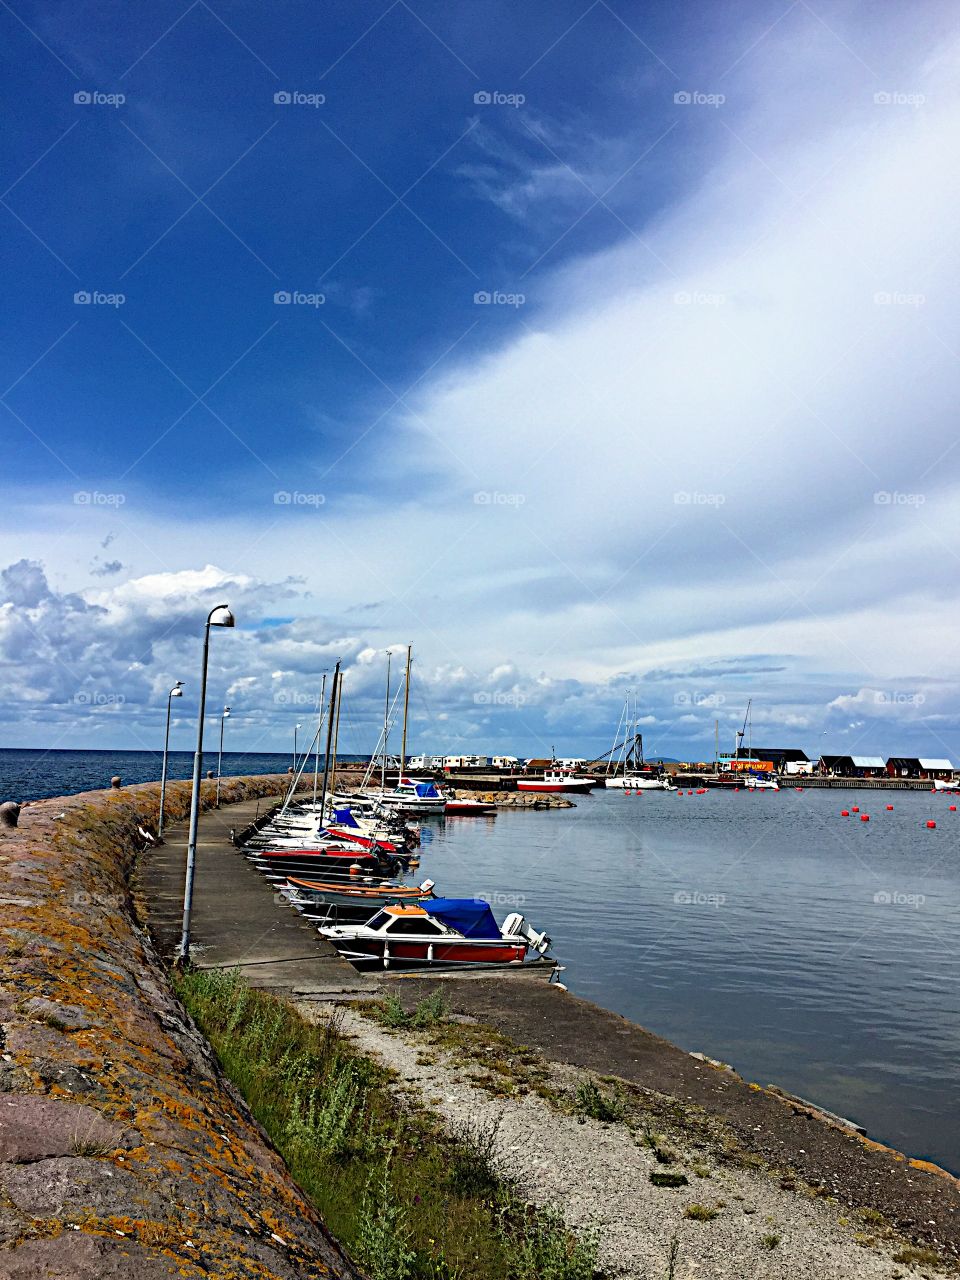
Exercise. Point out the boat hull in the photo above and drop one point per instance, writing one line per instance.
(373, 953)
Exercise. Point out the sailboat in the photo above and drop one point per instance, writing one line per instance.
(752, 781)
(410, 795)
(636, 775)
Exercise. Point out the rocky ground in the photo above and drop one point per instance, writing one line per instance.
(123, 1151)
(729, 1218)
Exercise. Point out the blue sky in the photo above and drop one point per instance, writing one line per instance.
(698, 443)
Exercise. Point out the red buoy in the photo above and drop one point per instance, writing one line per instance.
(953, 808)
(889, 807)
(931, 825)
(856, 808)
(844, 813)
(864, 817)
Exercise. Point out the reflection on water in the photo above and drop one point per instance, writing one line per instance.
(809, 950)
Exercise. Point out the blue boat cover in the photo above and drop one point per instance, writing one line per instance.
(345, 818)
(468, 916)
(427, 791)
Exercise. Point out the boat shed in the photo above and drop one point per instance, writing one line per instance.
(920, 767)
(852, 766)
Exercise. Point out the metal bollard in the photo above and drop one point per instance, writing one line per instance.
(115, 780)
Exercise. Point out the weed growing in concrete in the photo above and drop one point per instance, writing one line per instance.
(700, 1212)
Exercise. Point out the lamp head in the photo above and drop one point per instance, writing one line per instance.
(224, 617)
(226, 711)
(177, 690)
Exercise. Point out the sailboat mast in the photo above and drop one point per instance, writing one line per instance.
(406, 709)
(316, 741)
(334, 690)
(336, 740)
(386, 729)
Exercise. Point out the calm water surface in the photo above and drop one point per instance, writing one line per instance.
(816, 952)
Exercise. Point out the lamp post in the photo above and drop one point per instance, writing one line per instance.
(223, 716)
(227, 620)
(296, 729)
(175, 692)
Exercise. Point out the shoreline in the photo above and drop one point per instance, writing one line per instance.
(801, 1148)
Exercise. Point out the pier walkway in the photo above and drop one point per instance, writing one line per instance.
(238, 918)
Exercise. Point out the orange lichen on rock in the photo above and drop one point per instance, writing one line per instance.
(146, 1165)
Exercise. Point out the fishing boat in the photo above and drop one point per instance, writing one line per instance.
(555, 780)
(449, 931)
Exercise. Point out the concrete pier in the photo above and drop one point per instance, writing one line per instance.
(239, 920)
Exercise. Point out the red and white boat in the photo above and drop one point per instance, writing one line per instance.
(555, 780)
(468, 808)
(448, 931)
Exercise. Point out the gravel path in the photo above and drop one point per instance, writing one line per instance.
(598, 1174)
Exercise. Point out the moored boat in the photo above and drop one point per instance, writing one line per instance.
(555, 781)
(469, 808)
(448, 931)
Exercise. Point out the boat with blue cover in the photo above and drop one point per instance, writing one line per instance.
(444, 932)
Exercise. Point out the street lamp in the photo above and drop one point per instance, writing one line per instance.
(223, 716)
(226, 620)
(296, 729)
(175, 692)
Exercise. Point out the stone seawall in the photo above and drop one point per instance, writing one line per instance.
(123, 1150)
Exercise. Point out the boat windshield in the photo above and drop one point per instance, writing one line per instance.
(378, 921)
